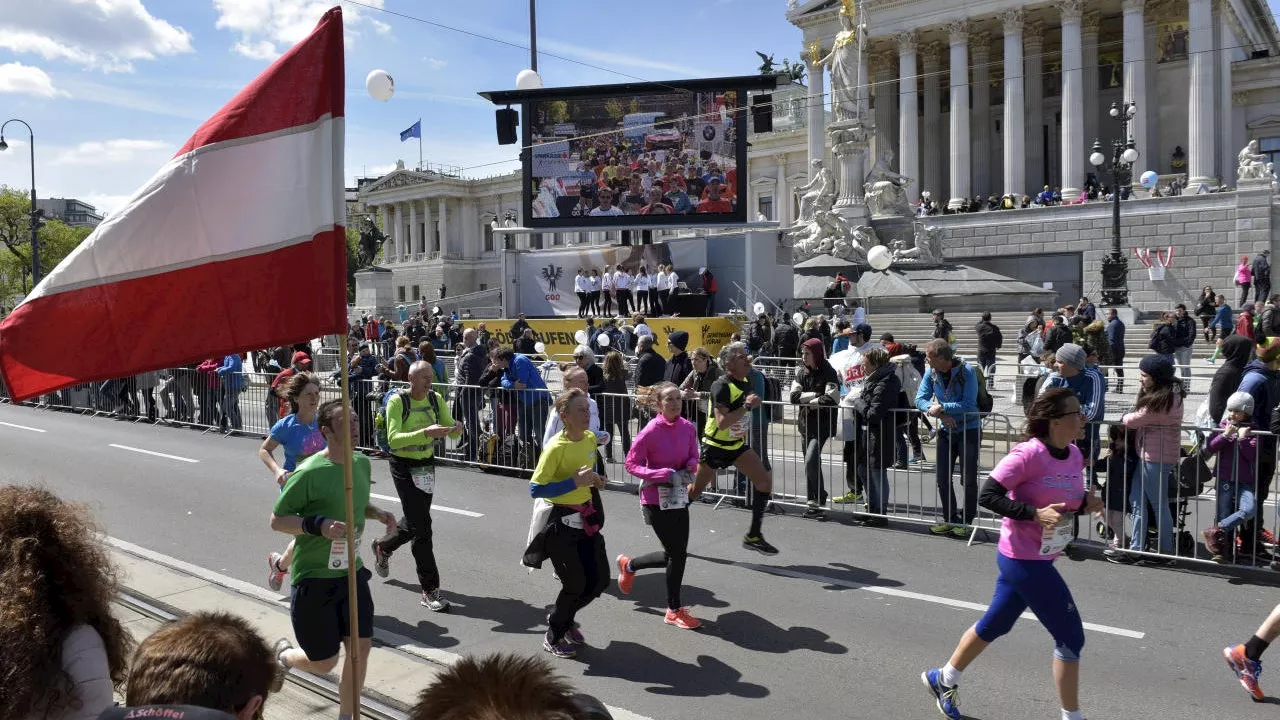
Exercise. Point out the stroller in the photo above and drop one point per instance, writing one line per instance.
(1187, 481)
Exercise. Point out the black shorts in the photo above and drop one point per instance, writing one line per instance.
(319, 610)
(719, 458)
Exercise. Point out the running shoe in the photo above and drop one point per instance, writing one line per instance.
(1121, 557)
(914, 459)
(278, 650)
(625, 576)
(561, 649)
(960, 531)
(759, 544)
(434, 601)
(275, 576)
(1214, 539)
(848, 498)
(947, 698)
(381, 560)
(573, 634)
(941, 529)
(814, 511)
(1246, 670)
(875, 521)
(682, 619)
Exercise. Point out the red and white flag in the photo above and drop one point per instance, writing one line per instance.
(236, 244)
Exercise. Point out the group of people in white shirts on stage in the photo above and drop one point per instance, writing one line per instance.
(639, 290)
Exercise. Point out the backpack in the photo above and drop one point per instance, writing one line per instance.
(380, 419)
(985, 401)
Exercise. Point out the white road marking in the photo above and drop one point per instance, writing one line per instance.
(153, 453)
(255, 592)
(441, 508)
(22, 427)
(910, 595)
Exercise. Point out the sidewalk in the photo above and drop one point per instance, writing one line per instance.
(398, 668)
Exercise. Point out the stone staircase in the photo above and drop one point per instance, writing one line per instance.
(918, 328)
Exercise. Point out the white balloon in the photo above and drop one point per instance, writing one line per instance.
(581, 337)
(528, 80)
(798, 318)
(380, 85)
(602, 340)
(879, 258)
(540, 347)
(758, 308)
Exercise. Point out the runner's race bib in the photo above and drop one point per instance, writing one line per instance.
(1057, 538)
(741, 428)
(424, 478)
(673, 497)
(574, 521)
(338, 553)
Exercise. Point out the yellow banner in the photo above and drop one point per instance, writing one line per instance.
(558, 335)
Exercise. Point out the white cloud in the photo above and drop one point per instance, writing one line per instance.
(27, 80)
(615, 61)
(269, 27)
(139, 102)
(435, 63)
(103, 34)
(113, 152)
(104, 203)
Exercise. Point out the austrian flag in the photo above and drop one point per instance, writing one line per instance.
(236, 244)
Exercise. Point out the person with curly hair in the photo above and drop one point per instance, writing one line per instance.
(64, 651)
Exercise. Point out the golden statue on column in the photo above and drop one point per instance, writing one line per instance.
(848, 94)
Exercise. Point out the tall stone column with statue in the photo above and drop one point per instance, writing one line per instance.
(850, 132)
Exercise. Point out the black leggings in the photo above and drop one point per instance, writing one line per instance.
(672, 529)
(606, 308)
(594, 297)
(584, 302)
(580, 562)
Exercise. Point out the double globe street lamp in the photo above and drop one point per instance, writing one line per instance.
(35, 214)
(1115, 265)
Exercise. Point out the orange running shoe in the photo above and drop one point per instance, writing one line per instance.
(682, 619)
(1246, 670)
(625, 576)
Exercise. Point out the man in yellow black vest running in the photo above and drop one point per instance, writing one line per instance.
(724, 439)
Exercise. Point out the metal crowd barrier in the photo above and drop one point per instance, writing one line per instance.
(1185, 498)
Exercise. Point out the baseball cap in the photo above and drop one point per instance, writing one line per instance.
(863, 329)
(301, 358)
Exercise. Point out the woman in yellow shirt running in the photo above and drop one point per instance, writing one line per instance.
(565, 478)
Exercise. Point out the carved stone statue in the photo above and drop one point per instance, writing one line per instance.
(818, 193)
(371, 241)
(1253, 164)
(885, 190)
(845, 61)
(927, 248)
(830, 234)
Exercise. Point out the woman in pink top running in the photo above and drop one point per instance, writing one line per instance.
(1037, 489)
(664, 456)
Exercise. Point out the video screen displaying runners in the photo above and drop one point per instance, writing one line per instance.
(658, 158)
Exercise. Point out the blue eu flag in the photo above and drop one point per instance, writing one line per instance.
(414, 131)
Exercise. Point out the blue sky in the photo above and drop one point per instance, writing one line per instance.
(114, 87)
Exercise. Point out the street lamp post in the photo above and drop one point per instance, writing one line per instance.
(35, 215)
(1115, 264)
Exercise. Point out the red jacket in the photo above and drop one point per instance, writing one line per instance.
(1244, 325)
(371, 330)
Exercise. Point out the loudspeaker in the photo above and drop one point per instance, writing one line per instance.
(762, 113)
(508, 122)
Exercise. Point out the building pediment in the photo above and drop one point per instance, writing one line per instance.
(1270, 122)
(398, 179)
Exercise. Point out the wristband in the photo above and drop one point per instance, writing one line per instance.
(314, 525)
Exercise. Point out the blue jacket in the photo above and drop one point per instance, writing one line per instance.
(1259, 382)
(838, 343)
(760, 417)
(1115, 338)
(232, 373)
(1088, 388)
(958, 396)
(523, 370)
(1222, 319)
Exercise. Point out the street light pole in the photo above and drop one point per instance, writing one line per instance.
(35, 215)
(1115, 264)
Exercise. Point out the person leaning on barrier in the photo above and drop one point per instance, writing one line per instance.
(1237, 353)
(1262, 381)
(504, 687)
(64, 650)
(210, 660)
(696, 385)
(949, 393)
(470, 367)
(877, 409)
(816, 389)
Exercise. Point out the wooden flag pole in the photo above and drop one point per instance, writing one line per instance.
(353, 616)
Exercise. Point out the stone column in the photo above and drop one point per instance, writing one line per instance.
(817, 100)
(1089, 39)
(958, 32)
(1015, 167)
(398, 235)
(1033, 84)
(1227, 51)
(1073, 152)
(932, 153)
(415, 239)
(1135, 77)
(885, 95)
(980, 114)
(1200, 132)
(782, 195)
(428, 227)
(444, 227)
(908, 114)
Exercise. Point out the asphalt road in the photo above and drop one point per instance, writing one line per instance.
(840, 624)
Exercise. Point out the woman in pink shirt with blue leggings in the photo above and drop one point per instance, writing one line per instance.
(664, 457)
(1038, 488)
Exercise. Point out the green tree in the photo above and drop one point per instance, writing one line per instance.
(615, 109)
(57, 240)
(558, 111)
